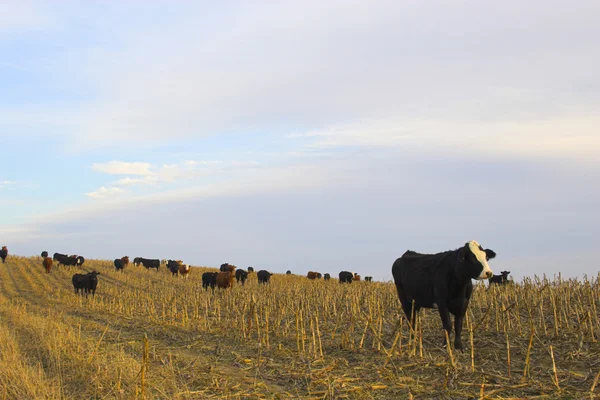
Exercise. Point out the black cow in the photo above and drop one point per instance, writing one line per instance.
(501, 279)
(121, 263)
(326, 277)
(67, 260)
(86, 283)
(44, 254)
(368, 278)
(147, 262)
(346, 277)
(442, 280)
(263, 276)
(241, 275)
(288, 272)
(209, 279)
(250, 270)
(3, 254)
(173, 266)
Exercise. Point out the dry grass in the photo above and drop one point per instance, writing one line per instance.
(147, 335)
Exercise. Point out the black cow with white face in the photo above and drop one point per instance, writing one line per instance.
(442, 280)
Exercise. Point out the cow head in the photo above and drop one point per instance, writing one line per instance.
(475, 259)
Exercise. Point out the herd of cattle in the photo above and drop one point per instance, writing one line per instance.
(441, 280)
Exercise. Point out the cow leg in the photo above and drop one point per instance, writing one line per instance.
(445, 316)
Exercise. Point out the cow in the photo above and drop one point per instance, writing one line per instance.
(346, 277)
(47, 263)
(225, 267)
(313, 275)
(263, 276)
(80, 261)
(44, 254)
(501, 279)
(86, 283)
(288, 272)
(356, 277)
(66, 260)
(225, 279)
(368, 278)
(184, 270)
(147, 262)
(241, 275)
(121, 263)
(4, 254)
(441, 280)
(326, 277)
(173, 266)
(250, 270)
(209, 279)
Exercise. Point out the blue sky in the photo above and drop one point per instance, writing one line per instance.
(302, 135)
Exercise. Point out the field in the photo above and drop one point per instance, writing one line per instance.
(148, 335)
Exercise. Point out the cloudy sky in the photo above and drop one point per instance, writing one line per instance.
(302, 135)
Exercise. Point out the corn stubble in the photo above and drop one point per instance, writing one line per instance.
(146, 335)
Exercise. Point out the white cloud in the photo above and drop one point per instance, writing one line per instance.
(105, 192)
(123, 168)
(22, 16)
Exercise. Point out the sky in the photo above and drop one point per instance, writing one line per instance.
(307, 135)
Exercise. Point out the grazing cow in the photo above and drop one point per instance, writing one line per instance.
(44, 254)
(501, 279)
(184, 270)
(288, 272)
(225, 279)
(65, 259)
(346, 277)
(86, 283)
(368, 278)
(241, 275)
(147, 262)
(313, 275)
(121, 263)
(209, 279)
(356, 277)
(173, 266)
(326, 277)
(263, 276)
(250, 270)
(47, 263)
(442, 280)
(3, 254)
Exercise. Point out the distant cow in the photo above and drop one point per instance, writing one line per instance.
(442, 280)
(209, 279)
(184, 270)
(86, 283)
(313, 275)
(263, 276)
(241, 276)
(501, 279)
(147, 262)
(66, 260)
(226, 267)
(3, 254)
(326, 277)
(44, 254)
(346, 277)
(47, 263)
(225, 279)
(121, 263)
(288, 272)
(250, 270)
(356, 277)
(173, 266)
(368, 278)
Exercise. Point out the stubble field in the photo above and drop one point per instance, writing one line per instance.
(148, 335)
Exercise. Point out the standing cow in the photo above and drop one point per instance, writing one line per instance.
(346, 277)
(86, 283)
(47, 263)
(442, 280)
(263, 276)
(501, 279)
(209, 279)
(3, 254)
(121, 263)
(326, 277)
(241, 276)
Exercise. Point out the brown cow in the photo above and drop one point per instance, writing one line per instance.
(184, 270)
(225, 279)
(313, 275)
(47, 263)
(356, 277)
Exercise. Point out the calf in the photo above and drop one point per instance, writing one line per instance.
(263, 276)
(86, 283)
(356, 277)
(442, 280)
(209, 279)
(173, 266)
(4, 254)
(313, 275)
(225, 279)
(121, 263)
(47, 263)
(184, 270)
(346, 277)
(368, 278)
(501, 279)
(241, 276)
(326, 277)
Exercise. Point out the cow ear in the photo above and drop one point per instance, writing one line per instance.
(489, 254)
